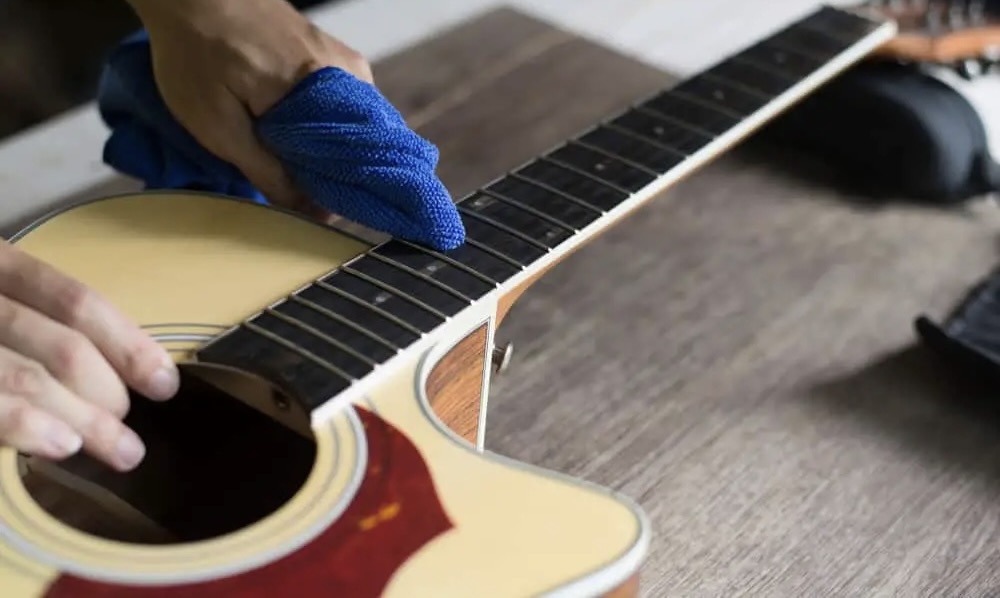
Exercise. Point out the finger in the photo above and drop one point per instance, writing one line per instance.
(141, 363)
(102, 434)
(66, 353)
(31, 430)
(352, 61)
(262, 168)
(236, 143)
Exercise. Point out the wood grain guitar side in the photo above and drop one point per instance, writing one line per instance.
(629, 589)
(455, 385)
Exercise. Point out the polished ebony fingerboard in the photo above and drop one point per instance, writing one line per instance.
(336, 331)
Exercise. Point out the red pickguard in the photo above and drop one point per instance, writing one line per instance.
(395, 512)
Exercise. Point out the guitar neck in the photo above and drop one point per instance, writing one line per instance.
(536, 214)
(396, 295)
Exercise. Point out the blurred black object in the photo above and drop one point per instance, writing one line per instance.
(893, 131)
(51, 53)
(968, 339)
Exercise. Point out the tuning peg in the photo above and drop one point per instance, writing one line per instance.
(501, 357)
(970, 68)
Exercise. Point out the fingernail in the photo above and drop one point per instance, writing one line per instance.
(64, 440)
(129, 450)
(165, 382)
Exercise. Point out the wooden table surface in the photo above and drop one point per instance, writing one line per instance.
(739, 355)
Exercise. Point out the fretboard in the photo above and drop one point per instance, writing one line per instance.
(324, 338)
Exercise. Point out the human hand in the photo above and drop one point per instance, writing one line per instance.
(66, 357)
(220, 63)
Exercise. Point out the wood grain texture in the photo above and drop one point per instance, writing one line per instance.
(528, 86)
(455, 385)
(629, 589)
(739, 357)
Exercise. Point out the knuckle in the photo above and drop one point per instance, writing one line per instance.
(69, 353)
(142, 360)
(15, 421)
(358, 65)
(334, 52)
(101, 430)
(10, 315)
(25, 380)
(73, 302)
(118, 405)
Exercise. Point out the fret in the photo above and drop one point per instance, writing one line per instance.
(525, 224)
(717, 93)
(691, 114)
(617, 157)
(656, 157)
(751, 78)
(484, 229)
(295, 348)
(405, 309)
(552, 171)
(300, 339)
(471, 282)
(603, 168)
(838, 24)
(553, 220)
(472, 255)
(663, 132)
(567, 209)
(318, 332)
(377, 320)
(767, 54)
(425, 276)
(405, 286)
(574, 184)
(350, 333)
(296, 372)
(489, 233)
(807, 42)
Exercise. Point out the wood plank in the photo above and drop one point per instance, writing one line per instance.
(518, 100)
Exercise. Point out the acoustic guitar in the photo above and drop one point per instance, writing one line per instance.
(328, 439)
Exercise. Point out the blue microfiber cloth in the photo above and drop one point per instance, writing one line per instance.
(342, 143)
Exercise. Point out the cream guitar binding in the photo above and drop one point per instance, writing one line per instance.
(331, 471)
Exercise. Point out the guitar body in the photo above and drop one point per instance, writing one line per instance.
(392, 503)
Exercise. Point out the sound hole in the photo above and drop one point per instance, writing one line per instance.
(213, 465)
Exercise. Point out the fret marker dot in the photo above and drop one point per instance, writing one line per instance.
(600, 166)
(381, 298)
(780, 57)
(658, 131)
(718, 94)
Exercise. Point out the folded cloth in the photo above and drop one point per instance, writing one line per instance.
(342, 143)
